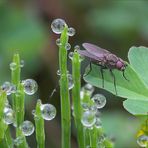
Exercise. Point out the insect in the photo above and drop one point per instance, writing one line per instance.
(103, 58)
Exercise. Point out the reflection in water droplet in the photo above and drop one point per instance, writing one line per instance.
(58, 42)
(8, 115)
(71, 31)
(8, 87)
(27, 128)
(48, 111)
(68, 46)
(70, 55)
(58, 25)
(22, 63)
(18, 141)
(30, 86)
(142, 140)
(13, 66)
(70, 82)
(88, 119)
(99, 100)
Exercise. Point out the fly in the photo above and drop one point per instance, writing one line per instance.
(103, 58)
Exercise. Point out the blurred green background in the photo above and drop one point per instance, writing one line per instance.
(116, 25)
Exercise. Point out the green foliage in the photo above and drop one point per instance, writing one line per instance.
(135, 89)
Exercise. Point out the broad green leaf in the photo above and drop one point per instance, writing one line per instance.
(136, 107)
(132, 89)
(138, 57)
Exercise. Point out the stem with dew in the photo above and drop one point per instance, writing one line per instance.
(76, 98)
(39, 124)
(18, 99)
(64, 91)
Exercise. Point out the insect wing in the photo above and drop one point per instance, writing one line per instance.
(89, 55)
(95, 50)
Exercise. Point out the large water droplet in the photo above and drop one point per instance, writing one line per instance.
(58, 72)
(18, 141)
(68, 46)
(142, 140)
(8, 115)
(70, 55)
(71, 31)
(30, 86)
(99, 100)
(27, 128)
(48, 111)
(58, 25)
(13, 66)
(8, 87)
(88, 119)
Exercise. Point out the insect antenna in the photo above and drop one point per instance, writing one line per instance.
(123, 73)
(112, 74)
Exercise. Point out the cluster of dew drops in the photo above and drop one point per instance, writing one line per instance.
(48, 111)
(91, 111)
(57, 27)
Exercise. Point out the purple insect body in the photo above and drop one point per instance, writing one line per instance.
(103, 58)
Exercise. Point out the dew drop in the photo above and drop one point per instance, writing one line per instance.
(87, 88)
(13, 66)
(18, 141)
(22, 63)
(85, 106)
(58, 42)
(142, 140)
(8, 115)
(98, 123)
(70, 82)
(8, 87)
(27, 128)
(30, 86)
(77, 47)
(33, 112)
(48, 111)
(70, 55)
(58, 25)
(68, 46)
(58, 72)
(88, 119)
(99, 100)
(71, 31)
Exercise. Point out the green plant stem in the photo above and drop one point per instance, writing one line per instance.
(39, 124)
(3, 126)
(8, 139)
(86, 137)
(93, 137)
(15, 77)
(18, 99)
(76, 98)
(64, 92)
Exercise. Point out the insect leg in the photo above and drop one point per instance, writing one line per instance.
(90, 69)
(124, 76)
(101, 69)
(112, 74)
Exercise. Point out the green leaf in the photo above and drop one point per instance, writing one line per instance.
(136, 107)
(132, 89)
(138, 57)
